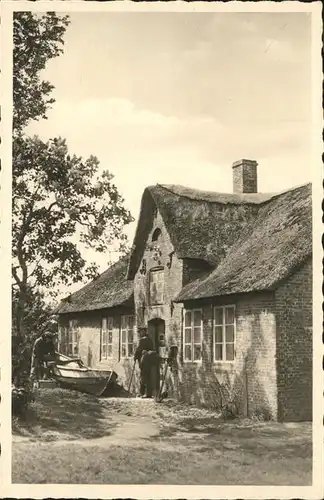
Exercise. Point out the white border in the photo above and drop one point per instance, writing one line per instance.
(149, 491)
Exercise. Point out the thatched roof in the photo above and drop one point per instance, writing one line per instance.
(192, 217)
(110, 289)
(266, 251)
(214, 197)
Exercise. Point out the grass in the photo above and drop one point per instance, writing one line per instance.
(63, 414)
(188, 446)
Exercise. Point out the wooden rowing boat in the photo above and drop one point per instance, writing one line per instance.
(71, 373)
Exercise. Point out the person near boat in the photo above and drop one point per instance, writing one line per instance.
(146, 358)
(44, 351)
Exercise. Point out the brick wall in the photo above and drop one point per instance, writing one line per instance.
(294, 345)
(245, 176)
(251, 379)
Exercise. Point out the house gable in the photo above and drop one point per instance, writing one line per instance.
(201, 226)
(159, 273)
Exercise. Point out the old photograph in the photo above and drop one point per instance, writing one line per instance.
(163, 175)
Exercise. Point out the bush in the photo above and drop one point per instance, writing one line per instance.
(262, 414)
(229, 411)
(21, 397)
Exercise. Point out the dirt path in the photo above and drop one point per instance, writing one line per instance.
(129, 422)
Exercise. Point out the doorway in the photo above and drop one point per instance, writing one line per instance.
(156, 331)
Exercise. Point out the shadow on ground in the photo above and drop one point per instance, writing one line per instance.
(118, 391)
(63, 414)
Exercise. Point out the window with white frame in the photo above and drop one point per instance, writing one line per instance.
(224, 333)
(62, 339)
(106, 347)
(73, 338)
(156, 286)
(192, 335)
(127, 337)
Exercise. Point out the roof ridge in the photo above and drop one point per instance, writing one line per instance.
(268, 196)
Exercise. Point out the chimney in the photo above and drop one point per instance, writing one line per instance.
(245, 178)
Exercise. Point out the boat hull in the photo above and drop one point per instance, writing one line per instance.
(74, 375)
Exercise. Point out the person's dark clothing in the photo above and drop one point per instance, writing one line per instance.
(146, 358)
(43, 347)
(43, 350)
(146, 381)
(145, 344)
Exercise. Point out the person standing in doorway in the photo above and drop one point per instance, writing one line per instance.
(146, 357)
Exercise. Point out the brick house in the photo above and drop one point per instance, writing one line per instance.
(225, 277)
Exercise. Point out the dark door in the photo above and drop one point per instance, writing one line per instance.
(156, 330)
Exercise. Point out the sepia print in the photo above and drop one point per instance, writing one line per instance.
(164, 217)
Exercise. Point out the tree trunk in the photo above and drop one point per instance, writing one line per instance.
(20, 313)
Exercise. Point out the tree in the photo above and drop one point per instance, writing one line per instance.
(61, 203)
(37, 38)
(37, 317)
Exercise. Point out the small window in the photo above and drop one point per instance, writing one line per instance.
(63, 339)
(107, 338)
(73, 338)
(156, 234)
(157, 287)
(224, 333)
(192, 335)
(127, 337)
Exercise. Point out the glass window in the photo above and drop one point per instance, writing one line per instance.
(127, 336)
(156, 287)
(224, 333)
(106, 347)
(72, 343)
(192, 335)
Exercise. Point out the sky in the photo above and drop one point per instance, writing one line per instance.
(176, 98)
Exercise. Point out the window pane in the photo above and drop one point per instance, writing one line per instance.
(153, 293)
(75, 350)
(197, 335)
(197, 318)
(188, 318)
(187, 335)
(104, 323)
(110, 323)
(218, 352)
(104, 351)
(230, 352)
(130, 349)
(218, 316)
(153, 277)
(229, 333)
(218, 334)
(197, 352)
(130, 322)
(123, 322)
(123, 335)
(109, 337)
(159, 296)
(109, 351)
(123, 350)
(188, 352)
(130, 336)
(229, 315)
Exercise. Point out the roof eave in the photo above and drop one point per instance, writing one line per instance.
(125, 302)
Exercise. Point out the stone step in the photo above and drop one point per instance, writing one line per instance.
(47, 384)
